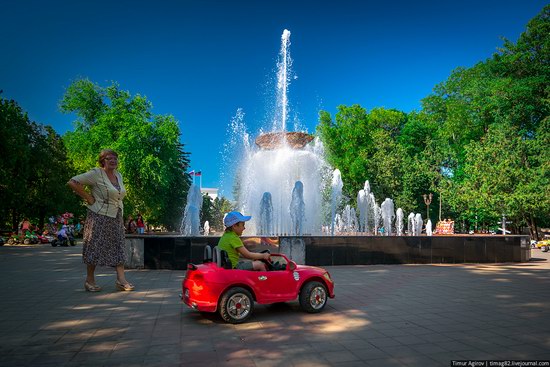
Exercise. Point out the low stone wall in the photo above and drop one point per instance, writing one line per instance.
(175, 252)
(135, 254)
(354, 250)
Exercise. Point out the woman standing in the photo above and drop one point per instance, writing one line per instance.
(140, 224)
(131, 226)
(103, 239)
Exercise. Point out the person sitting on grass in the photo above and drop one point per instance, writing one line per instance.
(232, 244)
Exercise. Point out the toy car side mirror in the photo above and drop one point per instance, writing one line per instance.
(292, 266)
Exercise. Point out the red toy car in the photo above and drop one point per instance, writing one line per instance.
(215, 286)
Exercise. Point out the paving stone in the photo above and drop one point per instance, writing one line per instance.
(339, 356)
(383, 315)
(371, 354)
(418, 360)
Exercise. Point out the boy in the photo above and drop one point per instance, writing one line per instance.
(232, 244)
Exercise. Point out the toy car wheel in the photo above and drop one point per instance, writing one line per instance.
(544, 248)
(236, 305)
(313, 297)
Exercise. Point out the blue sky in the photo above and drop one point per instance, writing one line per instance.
(202, 60)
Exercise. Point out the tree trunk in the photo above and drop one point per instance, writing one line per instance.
(41, 215)
(535, 228)
(530, 220)
(14, 222)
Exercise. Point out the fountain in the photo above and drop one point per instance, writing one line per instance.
(410, 225)
(284, 178)
(418, 223)
(298, 208)
(349, 220)
(388, 214)
(363, 211)
(336, 196)
(377, 215)
(365, 207)
(275, 163)
(190, 224)
(429, 228)
(266, 215)
(399, 221)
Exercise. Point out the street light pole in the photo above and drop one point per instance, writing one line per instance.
(440, 198)
(428, 201)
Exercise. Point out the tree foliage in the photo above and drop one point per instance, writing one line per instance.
(220, 206)
(151, 157)
(480, 140)
(33, 169)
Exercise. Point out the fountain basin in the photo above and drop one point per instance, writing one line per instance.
(275, 140)
(176, 251)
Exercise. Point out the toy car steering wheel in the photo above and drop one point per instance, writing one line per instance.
(267, 263)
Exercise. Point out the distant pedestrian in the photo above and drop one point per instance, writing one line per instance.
(131, 227)
(140, 224)
(77, 228)
(24, 226)
(62, 234)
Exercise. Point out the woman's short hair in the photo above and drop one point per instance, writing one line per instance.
(103, 154)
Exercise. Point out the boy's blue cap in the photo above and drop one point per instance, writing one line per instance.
(232, 218)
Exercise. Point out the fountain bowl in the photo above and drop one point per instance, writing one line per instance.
(274, 140)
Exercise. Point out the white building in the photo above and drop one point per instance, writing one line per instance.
(212, 192)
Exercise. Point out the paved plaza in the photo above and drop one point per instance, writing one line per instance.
(383, 315)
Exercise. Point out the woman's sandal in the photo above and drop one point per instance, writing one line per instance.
(123, 287)
(91, 287)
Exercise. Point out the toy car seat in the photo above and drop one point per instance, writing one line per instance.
(221, 258)
(207, 258)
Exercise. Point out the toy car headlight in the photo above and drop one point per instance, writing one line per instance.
(327, 277)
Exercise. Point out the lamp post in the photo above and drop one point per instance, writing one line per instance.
(440, 200)
(504, 222)
(428, 201)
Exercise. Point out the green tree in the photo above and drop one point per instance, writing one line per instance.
(33, 169)
(502, 177)
(348, 143)
(367, 146)
(480, 140)
(15, 151)
(152, 159)
(424, 163)
(220, 206)
(206, 210)
(46, 183)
